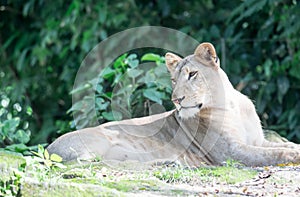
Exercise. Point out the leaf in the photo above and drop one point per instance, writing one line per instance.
(29, 110)
(133, 73)
(132, 61)
(48, 163)
(267, 68)
(112, 116)
(161, 71)
(81, 88)
(26, 8)
(37, 154)
(99, 89)
(246, 9)
(107, 73)
(152, 57)
(132, 56)
(46, 154)
(103, 34)
(153, 95)
(117, 79)
(56, 158)
(5, 102)
(119, 63)
(283, 85)
(11, 125)
(21, 60)
(10, 40)
(295, 70)
(22, 136)
(292, 119)
(101, 104)
(108, 116)
(102, 15)
(76, 107)
(148, 78)
(41, 150)
(20, 148)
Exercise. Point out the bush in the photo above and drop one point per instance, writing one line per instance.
(14, 133)
(127, 89)
(267, 66)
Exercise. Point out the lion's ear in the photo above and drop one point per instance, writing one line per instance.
(172, 61)
(206, 54)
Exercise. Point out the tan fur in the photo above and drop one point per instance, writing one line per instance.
(212, 123)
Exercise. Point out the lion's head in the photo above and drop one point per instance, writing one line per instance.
(198, 82)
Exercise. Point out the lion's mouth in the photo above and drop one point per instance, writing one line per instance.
(193, 106)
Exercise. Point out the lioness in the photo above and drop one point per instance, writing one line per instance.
(212, 122)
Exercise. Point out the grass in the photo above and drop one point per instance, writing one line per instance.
(37, 179)
(10, 160)
(229, 175)
(133, 185)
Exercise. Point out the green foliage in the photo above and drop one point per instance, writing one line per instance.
(50, 161)
(127, 89)
(270, 61)
(41, 167)
(42, 46)
(14, 133)
(11, 174)
(11, 187)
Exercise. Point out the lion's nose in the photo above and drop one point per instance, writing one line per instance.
(178, 100)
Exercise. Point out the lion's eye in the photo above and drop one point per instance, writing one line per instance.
(173, 81)
(192, 74)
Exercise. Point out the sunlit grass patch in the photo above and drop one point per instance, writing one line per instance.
(133, 185)
(225, 174)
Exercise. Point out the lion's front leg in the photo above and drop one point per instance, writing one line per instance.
(290, 145)
(263, 156)
(273, 139)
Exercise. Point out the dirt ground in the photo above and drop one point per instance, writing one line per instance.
(271, 181)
